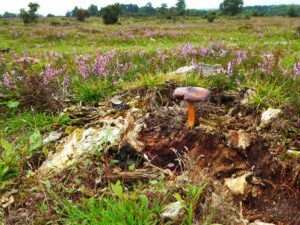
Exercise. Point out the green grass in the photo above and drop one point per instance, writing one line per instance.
(133, 207)
(110, 210)
(93, 91)
(26, 123)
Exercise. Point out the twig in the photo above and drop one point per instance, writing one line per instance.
(269, 182)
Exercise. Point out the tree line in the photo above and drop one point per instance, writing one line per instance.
(111, 13)
(148, 10)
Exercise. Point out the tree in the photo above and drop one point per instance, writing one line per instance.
(30, 16)
(291, 12)
(180, 5)
(110, 13)
(74, 12)
(9, 15)
(163, 10)
(82, 14)
(129, 9)
(231, 7)
(148, 9)
(173, 14)
(93, 10)
(68, 14)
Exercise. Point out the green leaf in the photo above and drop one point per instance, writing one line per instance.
(82, 188)
(108, 133)
(12, 104)
(7, 146)
(44, 207)
(35, 140)
(132, 166)
(153, 182)
(178, 198)
(143, 199)
(77, 181)
(117, 189)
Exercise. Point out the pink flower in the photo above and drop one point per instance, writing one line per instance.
(229, 70)
(297, 68)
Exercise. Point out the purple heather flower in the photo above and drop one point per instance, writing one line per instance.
(66, 81)
(2, 95)
(221, 70)
(229, 70)
(297, 68)
(115, 83)
(6, 80)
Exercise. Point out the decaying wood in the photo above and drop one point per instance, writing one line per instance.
(135, 175)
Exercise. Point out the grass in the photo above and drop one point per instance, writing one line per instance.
(135, 206)
(133, 209)
(93, 91)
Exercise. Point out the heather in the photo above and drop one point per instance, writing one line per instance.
(60, 63)
(71, 54)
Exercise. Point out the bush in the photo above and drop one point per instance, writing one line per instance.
(54, 23)
(246, 27)
(111, 13)
(292, 12)
(35, 94)
(82, 14)
(50, 15)
(211, 16)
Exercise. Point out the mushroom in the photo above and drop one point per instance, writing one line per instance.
(191, 95)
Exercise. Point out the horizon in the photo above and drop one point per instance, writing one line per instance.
(51, 7)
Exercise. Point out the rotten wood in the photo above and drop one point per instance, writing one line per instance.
(135, 175)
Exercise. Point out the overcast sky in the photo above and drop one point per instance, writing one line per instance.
(60, 7)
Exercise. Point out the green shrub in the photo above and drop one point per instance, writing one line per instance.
(82, 14)
(111, 13)
(211, 18)
(54, 23)
(292, 12)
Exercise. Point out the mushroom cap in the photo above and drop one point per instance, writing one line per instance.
(191, 94)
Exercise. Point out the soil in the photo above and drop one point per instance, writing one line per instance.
(166, 139)
(226, 141)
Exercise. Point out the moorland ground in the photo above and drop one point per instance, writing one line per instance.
(60, 61)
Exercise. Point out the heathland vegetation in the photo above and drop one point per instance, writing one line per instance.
(57, 78)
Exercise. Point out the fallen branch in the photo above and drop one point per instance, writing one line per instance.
(135, 175)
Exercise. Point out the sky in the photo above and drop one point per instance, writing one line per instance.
(60, 7)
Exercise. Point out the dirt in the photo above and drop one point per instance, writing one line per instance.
(226, 142)
(166, 139)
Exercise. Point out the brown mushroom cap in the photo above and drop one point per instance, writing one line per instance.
(191, 94)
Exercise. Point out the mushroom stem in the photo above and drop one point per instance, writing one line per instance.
(191, 114)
